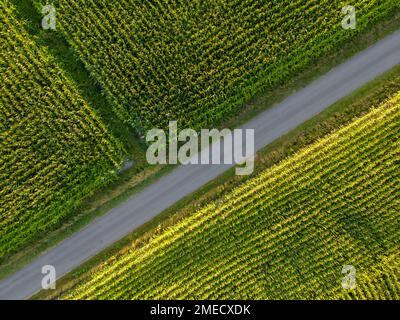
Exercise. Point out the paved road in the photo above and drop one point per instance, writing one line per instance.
(147, 204)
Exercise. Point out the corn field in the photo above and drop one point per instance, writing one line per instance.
(285, 233)
(54, 149)
(200, 61)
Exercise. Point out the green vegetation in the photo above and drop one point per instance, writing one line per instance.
(200, 61)
(54, 149)
(284, 234)
(86, 85)
(129, 182)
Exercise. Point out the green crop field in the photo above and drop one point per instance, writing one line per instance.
(54, 149)
(200, 61)
(285, 233)
(382, 281)
(76, 103)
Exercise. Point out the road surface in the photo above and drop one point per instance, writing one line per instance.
(147, 204)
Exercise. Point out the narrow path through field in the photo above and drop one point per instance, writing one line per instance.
(145, 205)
